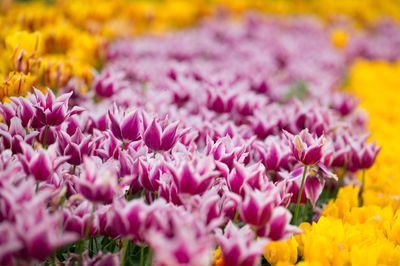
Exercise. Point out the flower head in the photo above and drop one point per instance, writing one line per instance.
(238, 245)
(16, 135)
(125, 126)
(195, 176)
(161, 136)
(109, 82)
(97, 183)
(306, 147)
(363, 154)
(49, 110)
(76, 146)
(40, 163)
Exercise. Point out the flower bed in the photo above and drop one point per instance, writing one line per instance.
(229, 143)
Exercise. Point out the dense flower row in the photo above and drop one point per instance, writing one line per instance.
(58, 45)
(182, 146)
(347, 233)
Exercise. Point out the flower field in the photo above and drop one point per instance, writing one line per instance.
(199, 132)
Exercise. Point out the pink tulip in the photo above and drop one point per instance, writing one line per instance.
(238, 245)
(97, 183)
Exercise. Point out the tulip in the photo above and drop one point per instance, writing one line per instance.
(248, 103)
(159, 136)
(273, 153)
(25, 110)
(313, 187)
(97, 183)
(363, 154)
(316, 119)
(210, 208)
(195, 176)
(76, 146)
(16, 135)
(106, 146)
(9, 243)
(125, 126)
(344, 103)
(168, 189)
(238, 245)
(224, 150)
(127, 218)
(109, 82)
(279, 226)
(306, 148)
(149, 174)
(282, 251)
(49, 110)
(341, 150)
(8, 111)
(240, 176)
(40, 234)
(256, 209)
(221, 100)
(266, 122)
(77, 219)
(177, 238)
(41, 163)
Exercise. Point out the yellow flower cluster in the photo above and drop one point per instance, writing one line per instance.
(361, 11)
(377, 85)
(347, 234)
(54, 45)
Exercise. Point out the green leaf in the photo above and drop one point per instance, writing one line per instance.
(298, 90)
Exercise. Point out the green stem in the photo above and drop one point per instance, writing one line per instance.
(327, 194)
(89, 224)
(236, 216)
(272, 175)
(81, 245)
(141, 255)
(37, 186)
(149, 257)
(144, 88)
(305, 212)
(73, 169)
(97, 245)
(340, 181)
(296, 214)
(91, 252)
(125, 248)
(123, 146)
(362, 188)
(45, 136)
(62, 200)
(154, 155)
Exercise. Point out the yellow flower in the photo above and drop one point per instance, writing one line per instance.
(281, 251)
(284, 263)
(307, 263)
(394, 229)
(218, 259)
(17, 84)
(339, 38)
(347, 199)
(300, 238)
(56, 72)
(25, 49)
